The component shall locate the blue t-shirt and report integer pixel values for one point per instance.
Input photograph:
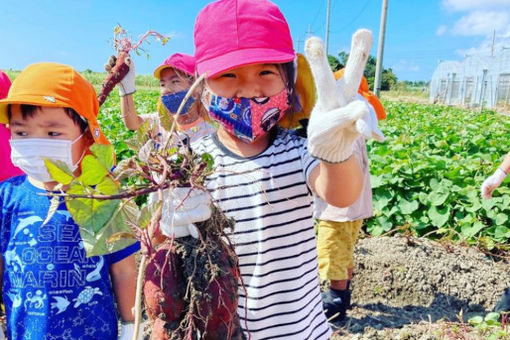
(51, 290)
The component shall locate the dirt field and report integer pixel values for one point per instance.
(411, 289)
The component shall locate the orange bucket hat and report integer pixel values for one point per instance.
(55, 85)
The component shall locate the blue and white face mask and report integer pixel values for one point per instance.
(172, 102)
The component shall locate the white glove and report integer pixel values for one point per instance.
(127, 331)
(337, 119)
(127, 84)
(491, 183)
(372, 122)
(181, 208)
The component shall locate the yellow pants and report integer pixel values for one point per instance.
(335, 248)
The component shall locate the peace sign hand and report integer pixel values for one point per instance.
(337, 119)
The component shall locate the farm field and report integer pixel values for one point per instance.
(426, 178)
(425, 254)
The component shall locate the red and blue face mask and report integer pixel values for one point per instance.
(248, 118)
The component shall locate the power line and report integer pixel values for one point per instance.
(353, 20)
(319, 10)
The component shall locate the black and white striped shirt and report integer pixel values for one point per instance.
(270, 200)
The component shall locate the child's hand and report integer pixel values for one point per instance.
(127, 84)
(491, 183)
(181, 208)
(337, 119)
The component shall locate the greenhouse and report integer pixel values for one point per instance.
(477, 81)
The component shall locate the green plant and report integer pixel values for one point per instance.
(493, 326)
(427, 174)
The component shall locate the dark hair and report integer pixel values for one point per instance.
(288, 71)
(28, 111)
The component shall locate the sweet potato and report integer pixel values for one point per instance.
(219, 304)
(115, 75)
(164, 289)
(191, 286)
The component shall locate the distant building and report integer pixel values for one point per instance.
(473, 82)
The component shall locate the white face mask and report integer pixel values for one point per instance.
(29, 154)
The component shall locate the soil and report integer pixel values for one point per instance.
(414, 288)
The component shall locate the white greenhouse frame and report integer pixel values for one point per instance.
(476, 81)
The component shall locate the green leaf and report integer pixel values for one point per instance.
(92, 171)
(438, 217)
(377, 230)
(89, 214)
(502, 232)
(407, 207)
(438, 196)
(209, 160)
(59, 171)
(381, 198)
(476, 320)
(492, 316)
(434, 183)
(424, 198)
(476, 205)
(470, 230)
(385, 224)
(147, 213)
(376, 181)
(105, 154)
(501, 218)
(107, 187)
(103, 241)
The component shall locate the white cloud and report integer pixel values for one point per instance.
(482, 23)
(441, 30)
(485, 48)
(467, 5)
(405, 66)
(480, 18)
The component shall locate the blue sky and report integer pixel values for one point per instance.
(418, 34)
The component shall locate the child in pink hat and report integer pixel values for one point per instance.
(7, 170)
(176, 75)
(266, 175)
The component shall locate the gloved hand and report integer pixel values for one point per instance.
(181, 208)
(491, 183)
(337, 119)
(372, 122)
(127, 331)
(127, 84)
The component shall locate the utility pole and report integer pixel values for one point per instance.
(298, 43)
(493, 39)
(327, 26)
(380, 49)
(309, 33)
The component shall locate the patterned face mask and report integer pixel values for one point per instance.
(248, 118)
(173, 101)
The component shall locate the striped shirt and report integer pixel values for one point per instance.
(274, 238)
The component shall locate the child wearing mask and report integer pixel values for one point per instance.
(176, 75)
(50, 288)
(265, 175)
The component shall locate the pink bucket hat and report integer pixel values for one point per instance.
(182, 62)
(234, 33)
(5, 84)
